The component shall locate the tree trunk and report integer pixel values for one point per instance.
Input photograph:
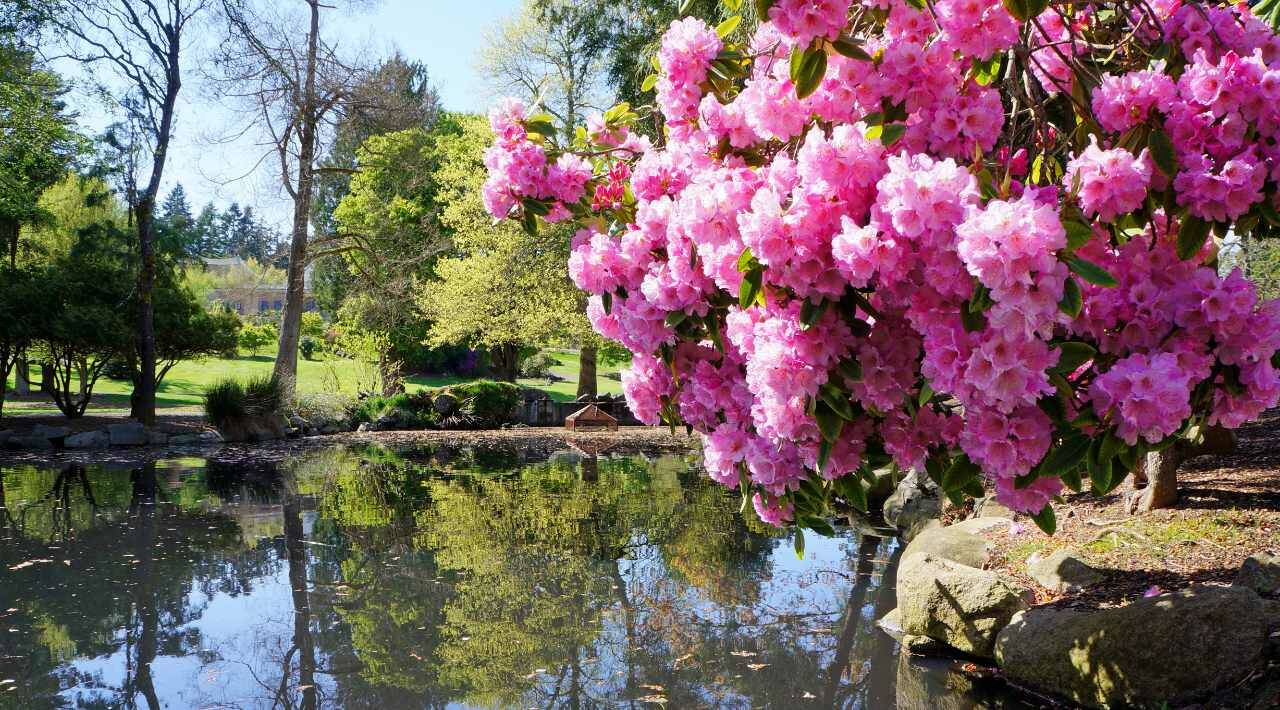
(504, 361)
(1155, 483)
(22, 376)
(47, 378)
(286, 367)
(587, 372)
(143, 399)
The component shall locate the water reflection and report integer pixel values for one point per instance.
(443, 577)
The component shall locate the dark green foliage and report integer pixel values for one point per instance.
(308, 347)
(483, 404)
(224, 402)
(20, 298)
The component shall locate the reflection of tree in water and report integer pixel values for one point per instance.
(97, 564)
(579, 581)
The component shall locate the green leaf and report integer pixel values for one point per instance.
(961, 471)
(820, 526)
(987, 71)
(750, 289)
(726, 28)
(1091, 272)
(606, 300)
(917, 4)
(747, 260)
(1071, 479)
(1067, 456)
(811, 312)
(1161, 148)
(808, 66)
(830, 424)
(1099, 469)
(851, 48)
(675, 318)
(1073, 355)
(1078, 234)
(529, 221)
(1035, 7)
(799, 543)
(837, 399)
(537, 207)
(1018, 8)
(685, 7)
(1046, 520)
(545, 128)
(1072, 302)
(824, 455)
(649, 82)
(1191, 236)
(855, 494)
(892, 133)
(926, 394)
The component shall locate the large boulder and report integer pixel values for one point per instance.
(913, 505)
(88, 440)
(445, 404)
(128, 434)
(960, 606)
(1261, 573)
(961, 543)
(52, 433)
(1063, 571)
(1161, 650)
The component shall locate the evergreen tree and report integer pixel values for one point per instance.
(175, 227)
(205, 232)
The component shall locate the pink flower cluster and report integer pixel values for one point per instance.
(778, 261)
(1111, 182)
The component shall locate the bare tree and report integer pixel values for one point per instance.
(142, 42)
(274, 62)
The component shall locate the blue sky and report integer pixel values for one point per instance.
(446, 35)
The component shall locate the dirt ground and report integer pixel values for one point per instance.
(1228, 509)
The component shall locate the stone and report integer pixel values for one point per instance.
(210, 437)
(365, 426)
(961, 606)
(1063, 571)
(922, 645)
(331, 428)
(184, 440)
(1160, 651)
(88, 440)
(920, 686)
(1261, 573)
(891, 623)
(293, 432)
(29, 442)
(157, 438)
(989, 507)
(959, 543)
(52, 433)
(128, 434)
(914, 503)
(297, 422)
(445, 404)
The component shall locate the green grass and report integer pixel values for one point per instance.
(186, 382)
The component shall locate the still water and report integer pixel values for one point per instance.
(444, 577)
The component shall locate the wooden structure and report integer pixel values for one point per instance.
(590, 418)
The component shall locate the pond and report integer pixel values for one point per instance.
(440, 577)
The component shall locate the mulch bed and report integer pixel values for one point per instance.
(1228, 509)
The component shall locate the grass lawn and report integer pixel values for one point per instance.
(184, 386)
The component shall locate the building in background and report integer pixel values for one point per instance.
(249, 288)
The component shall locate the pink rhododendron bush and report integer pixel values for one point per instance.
(968, 237)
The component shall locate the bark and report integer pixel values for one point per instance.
(145, 530)
(504, 361)
(47, 378)
(587, 372)
(1155, 483)
(22, 376)
(286, 367)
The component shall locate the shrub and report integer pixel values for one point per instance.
(224, 402)
(255, 337)
(486, 403)
(262, 395)
(538, 365)
(308, 347)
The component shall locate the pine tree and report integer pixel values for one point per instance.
(175, 227)
(206, 234)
